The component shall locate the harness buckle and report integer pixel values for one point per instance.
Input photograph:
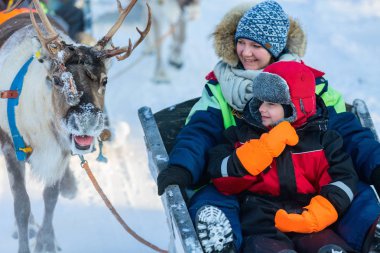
(9, 94)
(26, 150)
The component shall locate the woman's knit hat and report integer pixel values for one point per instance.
(267, 24)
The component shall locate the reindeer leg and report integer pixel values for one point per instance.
(160, 75)
(45, 237)
(179, 36)
(68, 185)
(32, 228)
(21, 202)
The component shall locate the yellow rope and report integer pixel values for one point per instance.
(10, 3)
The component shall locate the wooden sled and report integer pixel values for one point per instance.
(160, 130)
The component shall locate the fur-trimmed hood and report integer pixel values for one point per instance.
(224, 35)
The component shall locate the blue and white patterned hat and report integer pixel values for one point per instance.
(267, 24)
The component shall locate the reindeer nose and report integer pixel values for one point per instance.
(85, 119)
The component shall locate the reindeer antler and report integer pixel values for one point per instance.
(50, 42)
(126, 51)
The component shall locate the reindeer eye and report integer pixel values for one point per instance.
(104, 81)
(57, 81)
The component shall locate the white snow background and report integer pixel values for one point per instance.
(343, 41)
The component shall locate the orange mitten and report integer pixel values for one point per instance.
(255, 155)
(318, 215)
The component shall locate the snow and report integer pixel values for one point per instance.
(343, 40)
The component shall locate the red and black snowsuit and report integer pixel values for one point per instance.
(314, 166)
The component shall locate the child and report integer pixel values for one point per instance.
(293, 180)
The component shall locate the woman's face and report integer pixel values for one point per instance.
(252, 55)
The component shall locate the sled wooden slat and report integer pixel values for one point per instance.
(183, 237)
(359, 108)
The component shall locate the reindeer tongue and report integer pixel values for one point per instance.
(83, 140)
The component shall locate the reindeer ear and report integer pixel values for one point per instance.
(108, 45)
(40, 52)
(107, 63)
(36, 44)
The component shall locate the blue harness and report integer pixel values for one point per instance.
(18, 142)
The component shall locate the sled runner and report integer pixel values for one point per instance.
(160, 130)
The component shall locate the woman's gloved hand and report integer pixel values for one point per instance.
(174, 175)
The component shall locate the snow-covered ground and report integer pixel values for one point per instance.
(343, 38)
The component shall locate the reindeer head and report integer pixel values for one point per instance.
(78, 77)
(78, 89)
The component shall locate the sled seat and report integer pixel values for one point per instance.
(160, 130)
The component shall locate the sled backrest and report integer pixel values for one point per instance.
(171, 120)
(359, 108)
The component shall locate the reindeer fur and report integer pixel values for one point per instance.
(34, 115)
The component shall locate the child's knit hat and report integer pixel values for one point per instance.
(287, 83)
(267, 24)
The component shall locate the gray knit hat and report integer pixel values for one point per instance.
(267, 24)
(270, 88)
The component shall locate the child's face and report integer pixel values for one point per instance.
(252, 55)
(271, 113)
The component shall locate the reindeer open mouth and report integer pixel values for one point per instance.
(82, 142)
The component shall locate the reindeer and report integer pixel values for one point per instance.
(176, 13)
(60, 106)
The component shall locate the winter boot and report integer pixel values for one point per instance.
(331, 248)
(372, 241)
(214, 230)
